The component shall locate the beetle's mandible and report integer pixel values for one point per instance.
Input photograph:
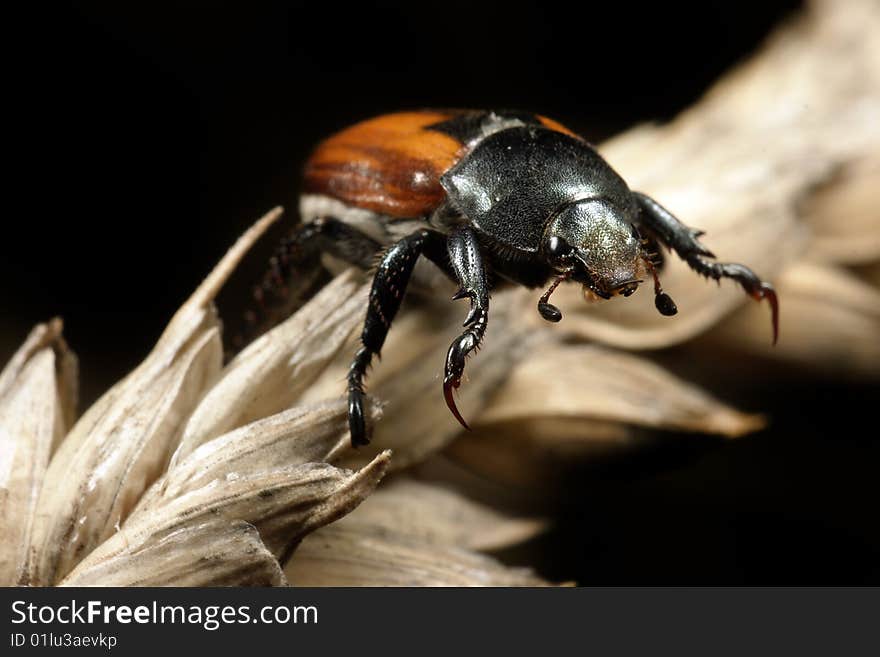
(489, 197)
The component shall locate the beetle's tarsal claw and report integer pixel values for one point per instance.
(549, 312)
(455, 359)
(450, 384)
(768, 292)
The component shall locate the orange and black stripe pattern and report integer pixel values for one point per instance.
(392, 164)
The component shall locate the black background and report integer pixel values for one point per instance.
(144, 139)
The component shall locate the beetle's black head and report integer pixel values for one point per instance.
(592, 241)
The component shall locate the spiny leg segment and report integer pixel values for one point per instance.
(467, 264)
(684, 241)
(389, 284)
(459, 256)
(295, 270)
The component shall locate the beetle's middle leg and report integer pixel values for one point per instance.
(684, 241)
(295, 269)
(386, 295)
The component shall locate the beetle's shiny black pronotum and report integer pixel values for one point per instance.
(488, 197)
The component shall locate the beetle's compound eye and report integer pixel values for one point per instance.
(558, 248)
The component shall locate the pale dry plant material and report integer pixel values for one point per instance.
(192, 472)
(121, 443)
(413, 533)
(38, 390)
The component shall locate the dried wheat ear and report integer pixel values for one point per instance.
(189, 472)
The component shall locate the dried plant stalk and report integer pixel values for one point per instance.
(843, 215)
(590, 402)
(37, 400)
(124, 440)
(440, 515)
(337, 556)
(300, 435)
(284, 505)
(216, 552)
(273, 371)
(592, 382)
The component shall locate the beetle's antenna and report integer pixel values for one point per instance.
(548, 311)
(663, 301)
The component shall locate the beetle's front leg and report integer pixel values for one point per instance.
(684, 241)
(386, 294)
(467, 264)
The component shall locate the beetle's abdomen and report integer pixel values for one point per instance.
(390, 164)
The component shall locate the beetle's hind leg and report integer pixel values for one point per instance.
(295, 270)
(389, 284)
(684, 241)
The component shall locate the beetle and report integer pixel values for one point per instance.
(489, 197)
